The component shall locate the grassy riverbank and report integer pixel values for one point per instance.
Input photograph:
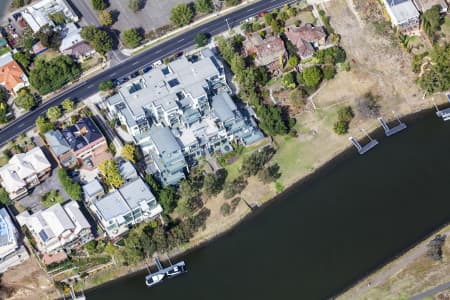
(406, 276)
(379, 66)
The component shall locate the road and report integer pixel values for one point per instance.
(90, 86)
(432, 292)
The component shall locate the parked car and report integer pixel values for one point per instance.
(134, 74)
(146, 69)
(121, 80)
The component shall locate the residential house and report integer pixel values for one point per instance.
(38, 14)
(23, 172)
(168, 112)
(306, 39)
(57, 227)
(403, 14)
(81, 141)
(267, 51)
(424, 5)
(93, 191)
(73, 44)
(131, 204)
(12, 77)
(12, 252)
(60, 149)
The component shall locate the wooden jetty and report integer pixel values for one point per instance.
(391, 131)
(363, 149)
(445, 113)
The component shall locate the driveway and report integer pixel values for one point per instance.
(31, 201)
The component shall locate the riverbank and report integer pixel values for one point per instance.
(378, 66)
(407, 275)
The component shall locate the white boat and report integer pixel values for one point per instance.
(152, 279)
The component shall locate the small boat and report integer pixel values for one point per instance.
(171, 271)
(177, 269)
(153, 279)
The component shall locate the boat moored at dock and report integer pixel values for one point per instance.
(169, 272)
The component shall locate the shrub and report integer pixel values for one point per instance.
(182, 14)
(131, 38)
(225, 209)
(71, 187)
(341, 127)
(106, 85)
(312, 76)
(328, 71)
(99, 4)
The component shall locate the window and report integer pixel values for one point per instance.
(173, 82)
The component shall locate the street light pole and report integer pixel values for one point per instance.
(228, 24)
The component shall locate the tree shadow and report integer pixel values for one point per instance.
(115, 15)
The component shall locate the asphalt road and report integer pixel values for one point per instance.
(89, 87)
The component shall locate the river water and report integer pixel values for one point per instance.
(322, 235)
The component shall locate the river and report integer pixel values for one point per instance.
(323, 234)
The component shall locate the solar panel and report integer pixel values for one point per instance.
(43, 235)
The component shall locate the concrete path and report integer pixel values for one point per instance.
(432, 292)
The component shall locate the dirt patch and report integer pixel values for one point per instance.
(27, 281)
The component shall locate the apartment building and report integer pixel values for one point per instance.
(169, 113)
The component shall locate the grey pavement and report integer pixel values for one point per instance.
(31, 201)
(155, 13)
(432, 292)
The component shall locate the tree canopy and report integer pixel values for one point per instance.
(43, 125)
(110, 172)
(129, 152)
(204, 6)
(312, 76)
(25, 99)
(135, 5)
(72, 188)
(53, 113)
(131, 37)
(99, 4)
(49, 37)
(48, 76)
(106, 85)
(436, 77)
(201, 39)
(105, 17)
(100, 39)
(182, 14)
(431, 21)
(68, 105)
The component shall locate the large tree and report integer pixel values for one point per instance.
(131, 37)
(48, 76)
(204, 6)
(49, 37)
(129, 152)
(135, 5)
(105, 17)
(436, 77)
(100, 39)
(53, 113)
(312, 76)
(99, 4)
(43, 125)
(110, 172)
(182, 14)
(68, 105)
(25, 99)
(431, 20)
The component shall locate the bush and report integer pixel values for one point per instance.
(99, 4)
(269, 174)
(110, 172)
(234, 187)
(345, 113)
(204, 6)
(341, 127)
(72, 188)
(25, 99)
(135, 5)
(312, 76)
(289, 80)
(434, 247)
(49, 37)
(201, 39)
(106, 85)
(53, 113)
(253, 163)
(225, 209)
(332, 55)
(105, 17)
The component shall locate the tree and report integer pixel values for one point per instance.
(154, 185)
(234, 187)
(129, 152)
(131, 38)
(213, 183)
(255, 162)
(135, 5)
(182, 14)
(328, 71)
(105, 17)
(25, 99)
(232, 2)
(43, 125)
(436, 77)
(67, 105)
(268, 18)
(58, 18)
(201, 39)
(269, 174)
(19, 3)
(431, 21)
(293, 61)
(168, 199)
(271, 120)
(289, 80)
(312, 76)
(48, 76)
(332, 55)
(106, 85)
(204, 6)
(72, 188)
(110, 172)
(99, 4)
(53, 113)
(297, 98)
(98, 38)
(49, 37)
(340, 127)
(24, 58)
(225, 209)
(3, 110)
(345, 113)
(4, 197)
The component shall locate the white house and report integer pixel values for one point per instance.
(57, 227)
(12, 251)
(403, 14)
(131, 204)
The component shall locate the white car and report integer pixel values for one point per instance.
(157, 63)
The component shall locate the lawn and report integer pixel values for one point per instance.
(4, 51)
